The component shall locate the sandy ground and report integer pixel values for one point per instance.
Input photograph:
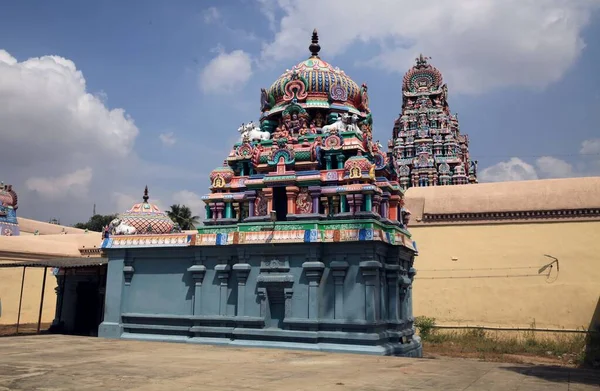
(56, 362)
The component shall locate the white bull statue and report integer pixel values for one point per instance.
(334, 128)
(253, 132)
(117, 227)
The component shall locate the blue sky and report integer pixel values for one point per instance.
(168, 83)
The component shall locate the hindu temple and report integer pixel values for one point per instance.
(304, 244)
(9, 225)
(428, 148)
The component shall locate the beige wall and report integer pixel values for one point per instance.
(10, 288)
(566, 300)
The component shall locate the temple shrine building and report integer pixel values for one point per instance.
(304, 244)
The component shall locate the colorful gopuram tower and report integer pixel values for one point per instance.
(304, 244)
(428, 148)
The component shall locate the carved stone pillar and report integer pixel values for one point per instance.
(370, 273)
(268, 192)
(384, 206)
(343, 203)
(198, 272)
(223, 275)
(291, 193)
(358, 201)
(393, 212)
(219, 206)
(315, 192)
(228, 210)
(208, 211)
(335, 204)
(242, 270)
(251, 197)
(350, 201)
(338, 270)
(314, 272)
(376, 203)
(328, 162)
(325, 201)
(340, 161)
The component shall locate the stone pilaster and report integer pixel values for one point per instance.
(128, 271)
(197, 271)
(242, 270)
(314, 272)
(370, 274)
(223, 276)
(392, 275)
(261, 292)
(339, 270)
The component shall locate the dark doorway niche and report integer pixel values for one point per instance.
(280, 203)
(276, 306)
(87, 309)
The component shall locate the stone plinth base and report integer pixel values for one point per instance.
(376, 339)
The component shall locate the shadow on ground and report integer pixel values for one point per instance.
(559, 374)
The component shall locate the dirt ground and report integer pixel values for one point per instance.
(56, 362)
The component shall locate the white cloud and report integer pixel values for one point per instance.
(516, 169)
(46, 113)
(74, 184)
(479, 45)
(63, 148)
(590, 147)
(513, 170)
(550, 167)
(211, 14)
(168, 139)
(191, 200)
(226, 73)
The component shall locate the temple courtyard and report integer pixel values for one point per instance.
(56, 362)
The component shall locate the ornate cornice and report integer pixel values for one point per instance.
(512, 216)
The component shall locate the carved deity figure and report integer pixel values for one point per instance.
(319, 120)
(260, 205)
(304, 202)
(281, 132)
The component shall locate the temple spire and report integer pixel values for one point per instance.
(314, 47)
(146, 197)
(422, 60)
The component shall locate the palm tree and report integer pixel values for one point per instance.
(182, 215)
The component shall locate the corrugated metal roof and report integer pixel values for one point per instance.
(63, 263)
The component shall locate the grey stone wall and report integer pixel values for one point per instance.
(352, 297)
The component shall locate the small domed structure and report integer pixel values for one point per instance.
(147, 218)
(221, 176)
(357, 166)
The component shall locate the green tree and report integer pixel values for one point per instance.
(182, 215)
(96, 223)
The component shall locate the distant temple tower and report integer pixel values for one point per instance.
(428, 148)
(9, 225)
